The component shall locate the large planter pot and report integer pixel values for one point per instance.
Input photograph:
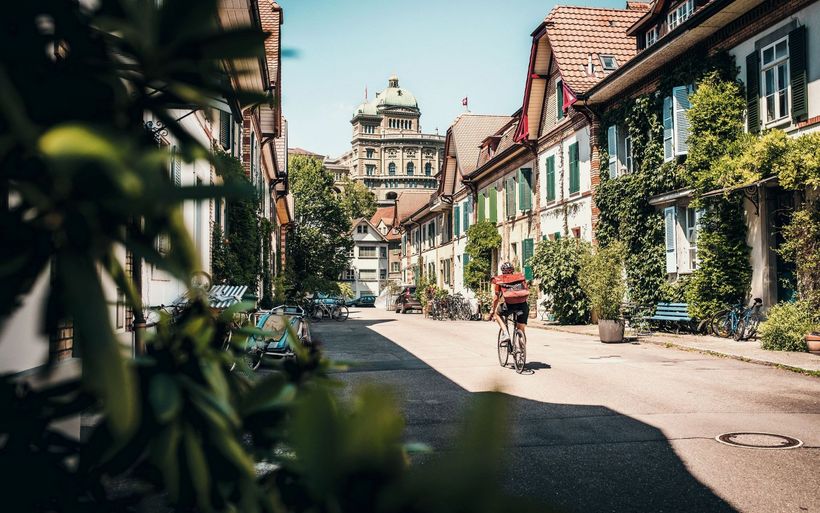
(611, 331)
(813, 341)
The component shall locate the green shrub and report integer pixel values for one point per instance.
(482, 239)
(557, 266)
(602, 280)
(787, 326)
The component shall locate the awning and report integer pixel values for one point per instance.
(770, 181)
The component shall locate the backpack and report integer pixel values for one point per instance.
(513, 288)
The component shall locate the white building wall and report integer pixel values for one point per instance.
(579, 207)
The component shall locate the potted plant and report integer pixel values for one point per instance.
(602, 280)
(813, 341)
(790, 327)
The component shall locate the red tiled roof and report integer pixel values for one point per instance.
(576, 32)
(637, 6)
(506, 136)
(300, 151)
(383, 214)
(410, 201)
(463, 146)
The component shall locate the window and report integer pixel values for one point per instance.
(468, 210)
(369, 153)
(431, 270)
(692, 227)
(361, 229)
(394, 267)
(367, 274)
(651, 36)
(574, 169)
(411, 168)
(350, 252)
(676, 122)
(559, 99)
(367, 252)
(619, 147)
(370, 169)
(428, 169)
(382, 274)
(774, 69)
(680, 13)
(349, 275)
(391, 169)
(383, 252)
(369, 129)
(550, 165)
(609, 62)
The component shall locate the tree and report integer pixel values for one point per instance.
(357, 200)
(482, 239)
(320, 240)
(557, 264)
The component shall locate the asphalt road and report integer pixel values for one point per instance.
(600, 427)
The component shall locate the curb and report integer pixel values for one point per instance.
(681, 347)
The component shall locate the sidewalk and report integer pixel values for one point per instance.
(746, 351)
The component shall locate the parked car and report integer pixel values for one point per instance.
(407, 300)
(365, 301)
(328, 300)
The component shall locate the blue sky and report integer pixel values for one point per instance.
(441, 51)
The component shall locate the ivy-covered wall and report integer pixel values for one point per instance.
(623, 202)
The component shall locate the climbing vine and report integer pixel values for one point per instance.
(236, 257)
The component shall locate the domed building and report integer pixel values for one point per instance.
(389, 152)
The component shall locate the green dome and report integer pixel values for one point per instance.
(365, 109)
(395, 96)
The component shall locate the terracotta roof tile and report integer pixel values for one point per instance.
(577, 34)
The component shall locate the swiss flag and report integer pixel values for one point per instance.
(569, 96)
(464, 101)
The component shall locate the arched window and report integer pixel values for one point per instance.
(391, 169)
(411, 168)
(428, 169)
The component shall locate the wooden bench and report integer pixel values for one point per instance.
(674, 314)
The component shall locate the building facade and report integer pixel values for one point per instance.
(389, 151)
(367, 273)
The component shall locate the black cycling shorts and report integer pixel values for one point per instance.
(520, 312)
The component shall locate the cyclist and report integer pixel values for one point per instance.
(510, 294)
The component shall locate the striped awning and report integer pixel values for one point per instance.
(225, 296)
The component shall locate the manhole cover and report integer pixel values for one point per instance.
(759, 440)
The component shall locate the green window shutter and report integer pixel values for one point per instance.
(557, 235)
(509, 192)
(525, 189)
(551, 178)
(559, 99)
(797, 73)
(493, 204)
(225, 130)
(752, 93)
(574, 171)
(466, 215)
(457, 220)
(481, 197)
(526, 254)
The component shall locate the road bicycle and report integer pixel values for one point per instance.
(515, 346)
(737, 322)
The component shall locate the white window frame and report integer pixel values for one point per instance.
(363, 254)
(605, 58)
(651, 37)
(691, 229)
(365, 274)
(680, 13)
(629, 160)
(773, 66)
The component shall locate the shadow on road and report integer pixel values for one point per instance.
(575, 457)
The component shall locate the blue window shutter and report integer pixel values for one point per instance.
(457, 220)
(668, 132)
(680, 97)
(612, 148)
(669, 221)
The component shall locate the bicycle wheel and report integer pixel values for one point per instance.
(340, 313)
(751, 326)
(503, 349)
(721, 324)
(316, 314)
(739, 330)
(520, 354)
(253, 359)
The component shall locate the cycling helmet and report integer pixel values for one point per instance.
(506, 268)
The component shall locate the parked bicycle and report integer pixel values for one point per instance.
(318, 309)
(451, 307)
(737, 322)
(515, 346)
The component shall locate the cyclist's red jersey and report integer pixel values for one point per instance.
(512, 287)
